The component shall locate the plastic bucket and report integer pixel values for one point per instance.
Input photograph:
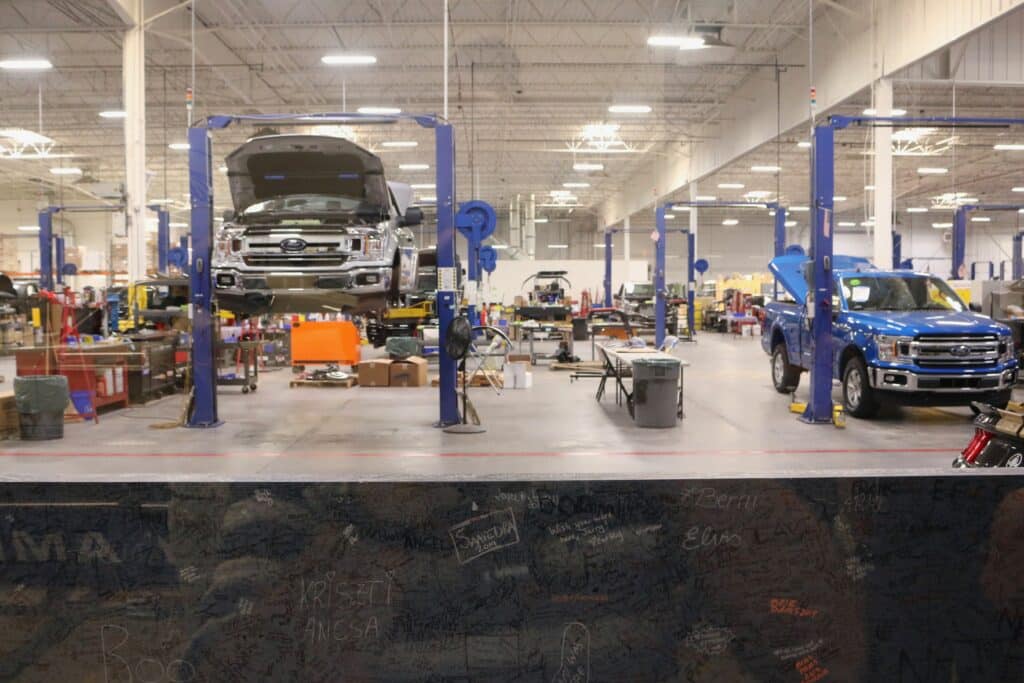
(41, 426)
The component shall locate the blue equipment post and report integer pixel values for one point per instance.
(960, 243)
(1018, 255)
(46, 248)
(780, 230)
(447, 303)
(659, 278)
(476, 221)
(608, 268)
(58, 243)
(819, 407)
(163, 238)
(184, 242)
(691, 282)
(204, 369)
(897, 250)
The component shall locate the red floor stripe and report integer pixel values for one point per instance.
(483, 454)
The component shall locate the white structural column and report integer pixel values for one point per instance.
(883, 178)
(530, 227)
(625, 239)
(134, 93)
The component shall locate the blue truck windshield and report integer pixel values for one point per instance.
(866, 292)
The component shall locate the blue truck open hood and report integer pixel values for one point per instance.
(791, 271)
(910, 323)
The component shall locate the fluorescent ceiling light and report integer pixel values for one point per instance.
(803, 144)
(24, 136)
(599, 245)
(223, 169)
(26, 64)
(427, 200)
(414, 167)
(942, 225)
(423, 186)
(500, 246)
(178, 146)
(893, 112)
(1004, 147)
(669, 216)
(177, 224)
(706, 198)
(917, 209)
(629, 109)
(839, 198)
(28, 228)
(558, 246)
(791, 224)
(846, 224)
(689, 42)
(731, 186)
(867, 224)
(678, 207)
(540, 220)
(758, 194)
(113, 114)
(400, 143)
(932, 170)
(386, 111)
(348, 60)
(587, 166)
(600, 130)
(766, 169)
(560, 193)
(576, 185)
(869, 188)
(730, 221)
(66, 170)
(1018, 189)
(161, 202)
(981, 219)
(799, 209)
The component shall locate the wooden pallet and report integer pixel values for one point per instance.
(337, 383)
(478, 380)
(582, 365)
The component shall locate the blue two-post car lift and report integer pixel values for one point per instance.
(49, 243)
(819, 305)
(963, 211)
(691, 278)
(203, 412)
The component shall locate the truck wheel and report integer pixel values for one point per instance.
(785, 377)
(858, 396)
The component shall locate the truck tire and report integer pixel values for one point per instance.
(785, 377)
(858, 396)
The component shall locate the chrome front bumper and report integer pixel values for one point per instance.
(904, 380)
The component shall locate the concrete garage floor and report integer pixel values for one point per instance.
(736, 425)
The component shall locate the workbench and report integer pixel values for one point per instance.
(618, 365)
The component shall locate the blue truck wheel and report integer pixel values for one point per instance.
(858, 396)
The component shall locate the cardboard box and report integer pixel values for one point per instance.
(519, 358)
(374, 373)
(9, 421)
(409, 372)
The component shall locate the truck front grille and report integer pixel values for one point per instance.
(282, 260)
(957, 351)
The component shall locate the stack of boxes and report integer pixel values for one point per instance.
(384, 372)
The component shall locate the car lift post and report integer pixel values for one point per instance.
(46, 248)
(960, 237)
(200, 161)
(58, 244)
(897, 250)
(163, 236)
(691, 284)
(608, 267)
(1018, 255)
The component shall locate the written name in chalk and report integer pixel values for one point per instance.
(484, 534)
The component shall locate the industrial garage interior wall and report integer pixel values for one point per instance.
(506, 282)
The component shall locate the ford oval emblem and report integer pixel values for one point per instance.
(293, 244)
(960, 351)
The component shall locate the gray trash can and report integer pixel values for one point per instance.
(41, 400)
(655, 392)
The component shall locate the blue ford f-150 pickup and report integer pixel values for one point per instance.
(897, 336)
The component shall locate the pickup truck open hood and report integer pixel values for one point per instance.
(910, 323)
(792, 271)
(282, 165)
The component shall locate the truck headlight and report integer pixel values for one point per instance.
(228, 246)
(1006, 350)
(373, 246)
(891, 348)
